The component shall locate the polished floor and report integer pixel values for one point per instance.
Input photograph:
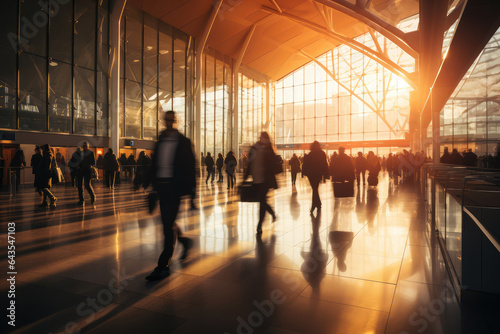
(366, 264)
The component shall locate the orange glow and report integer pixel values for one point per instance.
(99, 151)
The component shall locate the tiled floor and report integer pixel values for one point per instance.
(365, 265)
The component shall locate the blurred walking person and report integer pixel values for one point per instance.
(315, 168)
(231, 164)
(84, 174)
(209, 162)
(373, 166)
(174, 175)
(74, 163)
(294, 167)
(360, 164)
(110, 166)
(36, 164)
(220, 164)
(48, 164)
(18, 162)
(342, 172)
(263, 166)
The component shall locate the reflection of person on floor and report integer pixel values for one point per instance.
(174, 175)
(372, 204)
(294, 206)
(341, 234)
(316, 259)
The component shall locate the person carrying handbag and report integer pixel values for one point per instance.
(263, 165)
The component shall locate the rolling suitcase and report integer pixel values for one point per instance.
(343, 189)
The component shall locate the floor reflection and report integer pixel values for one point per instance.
(362, 265)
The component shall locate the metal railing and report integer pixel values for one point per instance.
(461, 202)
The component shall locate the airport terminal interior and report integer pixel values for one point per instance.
(401, 96)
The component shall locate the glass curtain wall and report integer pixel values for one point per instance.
(216, 93)
(57, 54)
(252, 104)
(157, 76)
(356, 100)
(471, 117)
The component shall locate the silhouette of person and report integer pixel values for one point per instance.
(263, 166)
(36, 164)
(470, 158)
(342, 170)
(110, 166)
(84, 174)
(220, 163)
(315, 168)
(456, 158)
(231, 163)
(18, 162)
(209, 162)
(360, 167)
(294, 167)
(446, 157)
(174, 175)
(48, 163)
(373, 165)
(73, 163)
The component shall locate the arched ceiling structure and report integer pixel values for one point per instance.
(279, 32)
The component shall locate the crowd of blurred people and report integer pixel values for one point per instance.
(470, 159)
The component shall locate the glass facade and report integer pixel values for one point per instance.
(345, 96)
(158, 65)
(216, 104)
(57, 54)
(252, 118)
(471, 117)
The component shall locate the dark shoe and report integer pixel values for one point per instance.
(53, 203)
(43, 205)
(158, 274)
(80, 203)
(187, 244)
(275, 218)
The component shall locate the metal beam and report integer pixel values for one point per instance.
(375, 40)
(236, 86)
(379, 58)
(349, 90)
(275, 4)
(244, 47)
(114, 69)
(321, 10)
(361, 14)
(206, 32)
(478, 23)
